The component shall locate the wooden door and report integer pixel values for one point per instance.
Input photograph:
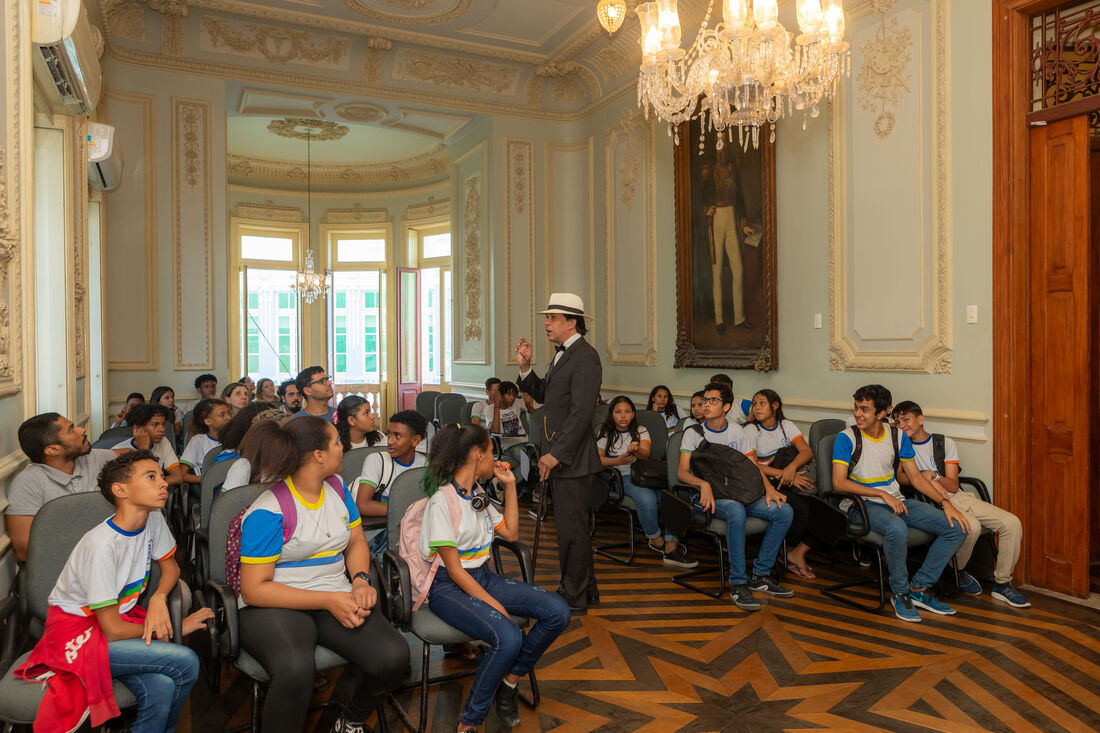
(1058, 514)
(408, 337)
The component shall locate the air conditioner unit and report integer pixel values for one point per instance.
(65, 61)
(104, 158)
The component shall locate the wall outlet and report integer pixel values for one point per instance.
(971, 314)
(817, 320)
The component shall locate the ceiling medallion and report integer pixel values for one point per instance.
(302, 128)
(361, 112)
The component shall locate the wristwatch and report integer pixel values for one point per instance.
(364, 576)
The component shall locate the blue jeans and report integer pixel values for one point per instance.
(510, 650)
(378, 543)
(160, 675)
(895, 529)
(649, 503)
(735, 513)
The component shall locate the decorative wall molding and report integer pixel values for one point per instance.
(928, 349)
(520, 157)
(457, 72)
(192, 238)
(469, 235)
(125, 19)
(432, 163)
(471, 253)
(430, 209)
(79, 286)
(431, 187)
(456, 9)
(268, 211)
(274, 44)
(15, 80)
(372, 58)
(357, 215)
(143, 178)
(631, 239)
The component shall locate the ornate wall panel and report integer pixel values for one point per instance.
(14, 108)
(192, 240)
(469, 234)
(78, 287)
(570, 257)
(131, 328)
(357, 215)
(519, 287)
(630, 308)
(890, 284)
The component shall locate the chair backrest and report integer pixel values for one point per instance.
(227, 507)
(404, 490)
(824, 463)
(672, 453)
(111, 437)
(56, 529)
(187, 426)
(599, 415)
(210, 457)
(466, 415)
(448, 408)
(821, 429)
(351, 467)
(525, 420)
(425, 403)
(654, 422)
(211, 478)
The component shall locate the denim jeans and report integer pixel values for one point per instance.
(160, 675)
(648, 502)
(735, 513)
(510, 650)
(377, 541)
(895, 529)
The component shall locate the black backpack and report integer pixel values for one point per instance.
(730, 473)
(857, 449)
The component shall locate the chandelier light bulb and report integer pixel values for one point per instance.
(651, 34)
(810, 16)
(736, 14)
(766, 14)
(668, 21)
(611, 14)
(834, 21)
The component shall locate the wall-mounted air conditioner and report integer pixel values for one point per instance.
(104, 158)
(65, 61)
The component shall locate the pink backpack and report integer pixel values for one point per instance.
(422, 573)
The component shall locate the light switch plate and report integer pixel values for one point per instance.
(971, 314)
(817, 320)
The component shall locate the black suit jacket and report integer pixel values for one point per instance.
(568, 394)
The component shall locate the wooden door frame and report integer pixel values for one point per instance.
(1012, 398)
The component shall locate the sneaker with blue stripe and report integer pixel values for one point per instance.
(968, 584)
(1007, 592)
(903, 608)
(924, 599)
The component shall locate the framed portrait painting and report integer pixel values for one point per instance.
(725, 252)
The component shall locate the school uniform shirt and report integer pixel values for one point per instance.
(671, 421)
(162, 451)
(740, 411)
(313, 558)
(926, 459)
(196, 450)
(238, 475)
(331, 417)
(768, 442)
(620, 441)
(733, 435)
(374, 468)
(511, 425)
(38, 483)
(110, 565)
(876, 463)
(475, 530)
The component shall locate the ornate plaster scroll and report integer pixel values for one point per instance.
(459, 72)
(882, 77)
(520, 154)
(471, 218)
(192, 240)
(275, 44)
(457, 9)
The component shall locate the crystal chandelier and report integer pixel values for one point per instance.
(611, 14)
(743, 72)
(308, 284)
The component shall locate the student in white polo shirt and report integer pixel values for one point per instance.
(485, 406)
(207, 420)
(371, 492)
(63, 462)
(149, 422)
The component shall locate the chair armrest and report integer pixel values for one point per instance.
(11, 616)
(523, 556)
(692, 494)
(225, 632)
(398, 584)
(498, 447)
(615, 484)
(972, 483)
(836, 496)
(176, 610)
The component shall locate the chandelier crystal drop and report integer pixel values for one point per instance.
(743, 72)
(611, 13)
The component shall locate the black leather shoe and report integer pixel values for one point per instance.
(507, 705)
(592, 595)
(577, 610)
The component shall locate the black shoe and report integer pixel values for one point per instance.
(746, 324)
(720, 327)
(765, 584)
(506, 703)
(680, 558)
(592, 595)
(578, 610)
(742, 598)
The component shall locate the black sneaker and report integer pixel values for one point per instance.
(507, 705)
(742, 598)
(679, 557)
(765, 584)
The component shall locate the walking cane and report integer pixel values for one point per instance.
(540, 512)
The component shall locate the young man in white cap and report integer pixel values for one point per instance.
(568, 394)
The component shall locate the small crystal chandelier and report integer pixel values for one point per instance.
(308, 284)
(611, 13)
(742, 72)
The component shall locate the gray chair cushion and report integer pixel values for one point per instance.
(431, 629)
(19, 699)
(323, 659)
(753, 526)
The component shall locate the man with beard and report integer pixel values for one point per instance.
(316, 387)
(62, 463)
(290, 399)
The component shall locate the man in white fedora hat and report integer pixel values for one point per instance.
(568, 394)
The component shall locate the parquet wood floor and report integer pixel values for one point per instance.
(655, 657)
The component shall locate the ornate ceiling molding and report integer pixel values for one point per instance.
(274, 43)
(458, 72)
(361, 112)
(432, 163)
(269, 211)
(357, 215)
(457, 10)
(430, 209)
(303, 128)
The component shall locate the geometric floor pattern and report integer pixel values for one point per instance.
(655, 657)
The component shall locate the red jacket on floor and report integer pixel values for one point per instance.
(71, 659)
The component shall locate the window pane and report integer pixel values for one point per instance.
(355, 353)
(342, 301)
(271, 344)
(267, 248)
(437, 245)
(448, 336)
(360, 250)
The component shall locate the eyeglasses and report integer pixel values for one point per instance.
(320, 380)
(712, 400)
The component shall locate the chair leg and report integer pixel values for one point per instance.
(604, 550)
(832, 590)
(254, 720)
(423, 722)
(536, 698)
(681, 578)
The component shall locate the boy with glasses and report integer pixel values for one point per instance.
(316, 388)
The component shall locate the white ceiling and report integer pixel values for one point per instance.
(364, 143)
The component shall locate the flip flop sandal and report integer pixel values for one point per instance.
(802, 572)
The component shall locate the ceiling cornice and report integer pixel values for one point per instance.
(431, 164)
